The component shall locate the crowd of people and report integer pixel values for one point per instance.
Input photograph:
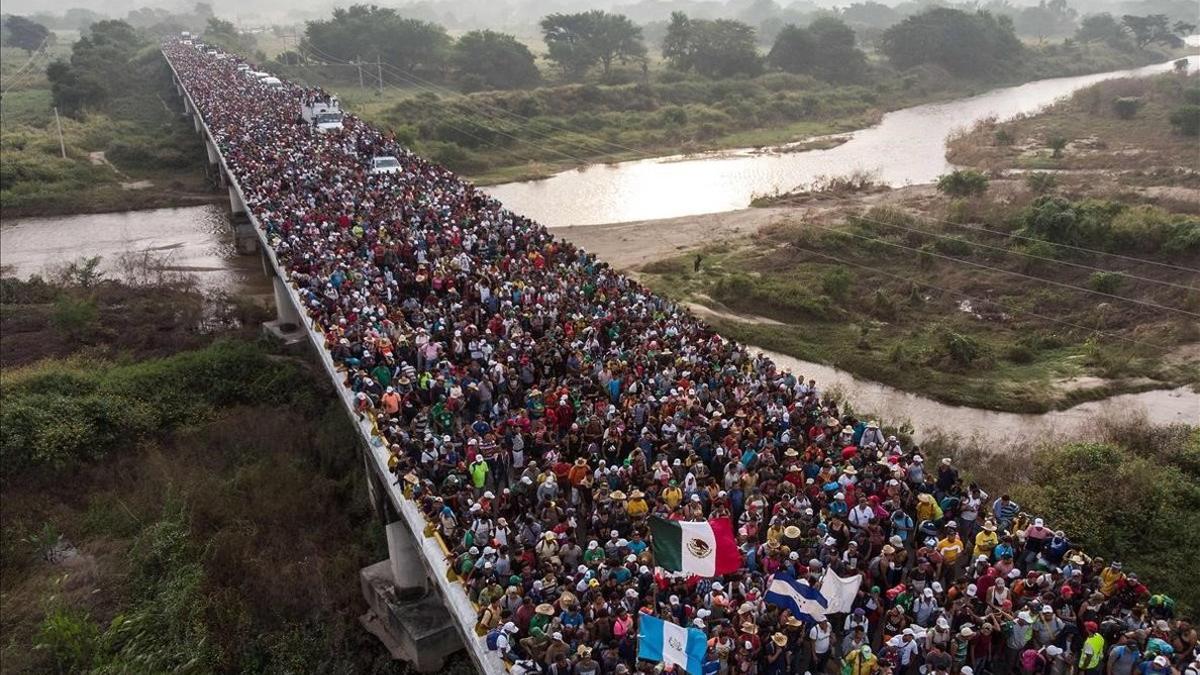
(540, 407)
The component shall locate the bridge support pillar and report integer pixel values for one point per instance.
(212, 152)
(288, 326)
(187, 106)
(196, 121)
(408, 618)
(236, 205)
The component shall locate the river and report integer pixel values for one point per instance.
(907, 147)
(193, 239)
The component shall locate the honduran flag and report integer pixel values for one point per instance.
(666, 642)
(705, 548)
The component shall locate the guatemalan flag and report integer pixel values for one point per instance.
(664, 641)
(803, 601)
(705, 548)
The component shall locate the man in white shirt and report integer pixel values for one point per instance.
(907, 648)
(820, 637)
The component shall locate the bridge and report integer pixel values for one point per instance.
(416, 610)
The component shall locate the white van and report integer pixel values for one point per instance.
(385, 164)
(272, 82)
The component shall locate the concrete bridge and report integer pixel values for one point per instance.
(417, 611)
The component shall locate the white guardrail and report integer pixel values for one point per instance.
(462, 610)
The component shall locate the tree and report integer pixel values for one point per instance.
(1104, 28)
(1054, 17)
(1156, 28)
(965, 44)
(794, 51)
(577, 42)
(371, 32)
(677, 44)
(101, 63)
(838, 58)
(724, 48)
(497, 60)
(25, 34)
(714, 48)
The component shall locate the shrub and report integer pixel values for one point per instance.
(1003, 137)
(1041, 182)
(952, 245)
(836, 283)
(1127, 107)
(1020, 354)
(1057, 144)
(1105, 282)
(73, 316)
(963, 183)
(1186, 120)
(962, 349)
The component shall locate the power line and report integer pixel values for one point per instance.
(33, 57)
(1025, 254)
(1145, 303)
(964, 295)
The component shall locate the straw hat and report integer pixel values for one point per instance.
(750, 628)
(545, 608)
(779, 639)
(850, 470)
(636, 494)
(989, 525)
(794, 622)
(618, 495)
(580, 462)
(791, 532)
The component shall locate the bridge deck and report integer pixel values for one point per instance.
(433, 554)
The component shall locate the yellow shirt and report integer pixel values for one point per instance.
(950, 548)
(672, 496)
(1108, 580)
(636, 507)
(984, 543)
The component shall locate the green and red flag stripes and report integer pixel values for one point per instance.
(705, 548)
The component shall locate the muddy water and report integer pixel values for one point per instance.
(1164, 406)
(908, 146)
(196, 240)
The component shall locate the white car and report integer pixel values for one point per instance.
(385, 164)
(272, 82)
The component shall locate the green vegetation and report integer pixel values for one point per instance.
(963, 183)
(1124, 481)
(125, 148)
(190, 506)
(958, 313)
(962, 43)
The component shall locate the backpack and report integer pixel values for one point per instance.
(492, 637)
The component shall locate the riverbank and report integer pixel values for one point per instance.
(129, 150)
(894, 287)
(510, 136)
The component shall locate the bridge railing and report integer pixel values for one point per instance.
(433, 551)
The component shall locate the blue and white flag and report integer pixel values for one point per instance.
(803, 601)
(664, 641)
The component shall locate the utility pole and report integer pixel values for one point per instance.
(62, 146)
(379, 69)
(358, 62)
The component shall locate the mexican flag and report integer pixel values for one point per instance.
(705, 548)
